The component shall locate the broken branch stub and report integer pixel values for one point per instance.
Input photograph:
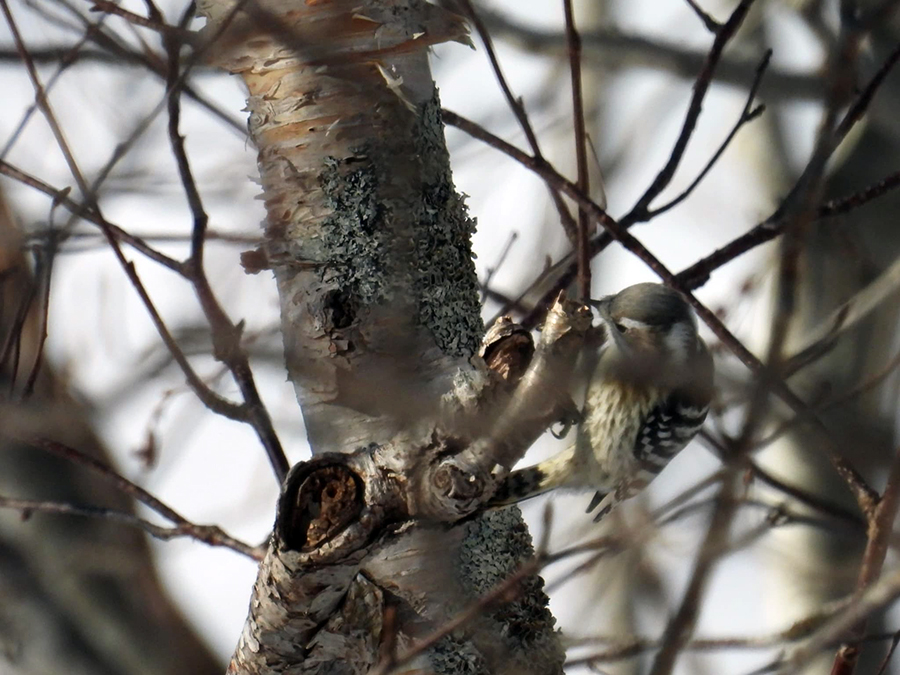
(337, 500)
(507, 349)
(462, 481)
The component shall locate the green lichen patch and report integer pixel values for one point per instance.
(444, 271)
(355, 236)
(371, 240)
(494, 547)
(457, 657)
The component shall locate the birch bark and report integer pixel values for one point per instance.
(370, 246)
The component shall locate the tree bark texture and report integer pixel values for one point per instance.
(375, 546)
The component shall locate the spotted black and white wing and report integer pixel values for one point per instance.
(666, 430)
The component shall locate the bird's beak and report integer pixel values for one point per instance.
(602, 306)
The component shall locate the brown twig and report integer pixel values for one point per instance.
(640, 212)
(681, 626)
(711, 24)
(621, 649)
(208, 534)
(861, 605)
(502, 592)
(154, 22)
(43, 272)
(486, 291)
(748, 114)
(582, 247)
(518, 109)
(829, 404)
(82, 211)
(807, 498)
(887, 657)
(773, 226)
(212, 535)
(881, 526)
(226, 335)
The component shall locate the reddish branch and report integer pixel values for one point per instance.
(518, 109)
(582, 245)
(226, 335)
(182, 527)
(880, 530)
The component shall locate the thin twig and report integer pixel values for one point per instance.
(876, 597)
(887, 657)
(208, 397)
(681, 626)
(621, 649)
(43, 272)
(518, 109)
(226, 335)
(502, 592)
(82, 211)
(881, 527)
(748, 114)
(491, 271)
(711, 24)
(773, 226)
(154, 23)
(208, 534)
(640, 211)
(582, 249)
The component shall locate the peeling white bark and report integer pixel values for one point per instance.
(375, 546)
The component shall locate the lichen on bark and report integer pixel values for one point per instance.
(446, 284)
(365, 247)
(494, 548)
(355, 235)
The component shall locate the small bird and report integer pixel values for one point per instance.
(647, 397)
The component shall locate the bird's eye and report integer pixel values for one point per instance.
(621, 328)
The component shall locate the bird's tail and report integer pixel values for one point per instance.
(535, 480)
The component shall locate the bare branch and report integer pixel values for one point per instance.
(881, 526)
(208, 534)
(518, 109)
(748, 114)
(640, 212)
(226, 335)
(582, 245)
(711, 24)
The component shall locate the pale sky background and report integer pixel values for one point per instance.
(213, 470)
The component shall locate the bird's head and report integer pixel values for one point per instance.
(651, 324)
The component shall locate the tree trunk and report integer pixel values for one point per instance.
(370, 246)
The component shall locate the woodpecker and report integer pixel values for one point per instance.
(647, 397)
